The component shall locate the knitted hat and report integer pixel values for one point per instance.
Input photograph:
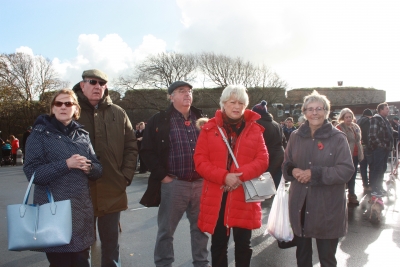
(260, 108)
(367, 112)
(177, 84)
(95, 74)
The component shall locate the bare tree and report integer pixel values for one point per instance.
(223, 70)
(159, 71)
(23, 79)
(30, 76)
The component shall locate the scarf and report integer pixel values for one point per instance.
(233, 128)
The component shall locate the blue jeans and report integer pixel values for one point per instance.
(364, 164)
(378, 168)
(352, 182)
(107, 226)
(178, 197)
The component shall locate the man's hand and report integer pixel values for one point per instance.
(167, 180)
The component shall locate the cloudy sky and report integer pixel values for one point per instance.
(309, 43)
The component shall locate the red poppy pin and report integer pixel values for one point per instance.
(320, 145)
(187, 123)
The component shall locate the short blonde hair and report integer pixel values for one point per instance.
(316, 97)
(72, 94)
(343, 113)
(239, 91)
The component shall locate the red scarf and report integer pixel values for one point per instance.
(233, 128)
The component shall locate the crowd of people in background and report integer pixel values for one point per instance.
(192, 171)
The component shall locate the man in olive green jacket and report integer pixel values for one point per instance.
(114, 142)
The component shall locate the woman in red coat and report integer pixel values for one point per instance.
(14, 147)
(223, 205)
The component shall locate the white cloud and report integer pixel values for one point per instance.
(25, 50)
(110, 54)
(309, 43)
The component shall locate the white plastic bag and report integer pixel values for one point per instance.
(278, 221)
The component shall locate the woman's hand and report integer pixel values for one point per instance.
(302, 176)
(79, 162)
(232, 181)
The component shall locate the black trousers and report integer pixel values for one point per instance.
(220, 239)
(326, 251)
(70, 259)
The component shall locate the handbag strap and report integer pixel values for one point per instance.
(229, 147)
(28, 190)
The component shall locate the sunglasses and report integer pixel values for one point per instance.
(67, 104)
(94, 82)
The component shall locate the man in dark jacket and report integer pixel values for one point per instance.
(167, 149)
(364, 123)
(139, 136)
(381, 143)
(114, 142)
(274, 140)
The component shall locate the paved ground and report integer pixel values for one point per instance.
(364, 245)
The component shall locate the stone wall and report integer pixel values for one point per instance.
(141, 104)
(340, 96)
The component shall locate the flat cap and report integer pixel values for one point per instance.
(396, 118)
(94, 73)
(177, 84)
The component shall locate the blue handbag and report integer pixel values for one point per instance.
(33, 226)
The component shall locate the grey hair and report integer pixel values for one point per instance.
(343, 113)
(239, 91)
(301, 119)
(316, 97)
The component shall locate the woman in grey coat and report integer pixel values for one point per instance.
(318, 163)
(60, 154)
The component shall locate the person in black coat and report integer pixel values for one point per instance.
(139, 136)
(364, 123)
(274, 140)
(62, 158)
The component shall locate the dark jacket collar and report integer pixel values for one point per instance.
(267, 117)
(325, 131)
(196, 111)
(84, 101)
(53, 125)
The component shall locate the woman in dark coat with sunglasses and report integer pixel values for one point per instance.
(59, 153)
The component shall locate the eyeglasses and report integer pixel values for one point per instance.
(67, 104)
(183, 91)
(94, 82)
(317, 109)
